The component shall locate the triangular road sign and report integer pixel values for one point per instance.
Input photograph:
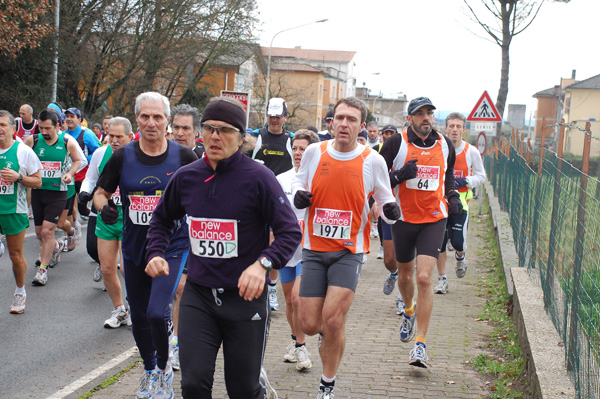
(485, 110)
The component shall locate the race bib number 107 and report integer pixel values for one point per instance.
(332, 223)
(141, 207)
(213, 238)
(51, 170)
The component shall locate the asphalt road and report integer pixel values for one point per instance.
(60, 337)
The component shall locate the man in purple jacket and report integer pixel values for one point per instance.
(230, 201)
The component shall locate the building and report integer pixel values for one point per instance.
(386, 111)
(581, 105)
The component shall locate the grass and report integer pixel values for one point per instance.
(109, 381)
(503, 364)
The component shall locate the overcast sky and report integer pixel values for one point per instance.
(428, 48)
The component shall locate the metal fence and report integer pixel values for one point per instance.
(554, 212)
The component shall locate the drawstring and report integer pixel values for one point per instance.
(216, 291)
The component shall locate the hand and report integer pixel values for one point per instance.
(84, 197)
(407, 172)
(460, 182)
(391, 210)
(373, 214)
(302, 199)
(157, 267)
(109, 213)
(9, 174)
(455, 205)
(67, 178)
(252, 281)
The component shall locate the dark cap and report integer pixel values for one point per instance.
(74, 111)
(417, 103)
(225, 111)
(277, 108)
(364, 135)
(329, 115)
(389, 128)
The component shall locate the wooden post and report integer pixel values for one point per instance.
(528, 150)
(521, 144)
(572, 354)
(541, 160)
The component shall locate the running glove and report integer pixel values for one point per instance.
(391, 210)
(82, 200)
(460, 182)
(109, 213)
(302, 199)
(407, 172)
(455, 205)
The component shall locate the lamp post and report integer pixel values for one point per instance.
(269, 60)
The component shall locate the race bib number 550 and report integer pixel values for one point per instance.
(332, 223)
(213, 238)
(428, 178)
(141, 207)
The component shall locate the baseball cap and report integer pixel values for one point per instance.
(389, 128)
(329, 115)
(417, 103)
(364, 135)
(74, 111)
(277, 107)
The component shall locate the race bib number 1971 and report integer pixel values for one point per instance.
(141, 207)
(428, 178)
(213, 238)
(332, 223)
(6, 187)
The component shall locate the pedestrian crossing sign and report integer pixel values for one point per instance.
(484, 110)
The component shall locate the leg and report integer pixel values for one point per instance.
(335, 311)
(425, 266)
(109, 252)
(14, 242)
(176, 303)
(47, 230)
(91, 242)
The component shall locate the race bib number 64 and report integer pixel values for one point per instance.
(332, 224)
(428, 178)
(213, 238)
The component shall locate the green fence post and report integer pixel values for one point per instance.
(538, 190)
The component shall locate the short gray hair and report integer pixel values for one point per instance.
(186, 109)
(119, 120)
(373, 123)
(11, 118)
(153, 96)
(457, 115)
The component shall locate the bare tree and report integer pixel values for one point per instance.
(508, 19)
(22, 25)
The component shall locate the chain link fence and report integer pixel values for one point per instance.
(554, 212)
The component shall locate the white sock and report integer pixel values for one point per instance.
(20, 291)
(325, 379)
(273, 282)
(443, 276)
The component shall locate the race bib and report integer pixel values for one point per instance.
(51, 169)
(6, 187)
(213, 238)
(116, 197)
(428, 178)
(332, 224)
(458, 173)
(141, 208)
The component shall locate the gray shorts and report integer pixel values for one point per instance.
(322, 269)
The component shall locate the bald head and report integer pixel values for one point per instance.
(26, 113)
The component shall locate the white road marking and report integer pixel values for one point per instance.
(69, 389)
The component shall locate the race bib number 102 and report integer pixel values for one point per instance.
(332, 223)
(141, 207)
(213, 238)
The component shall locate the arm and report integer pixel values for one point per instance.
(92, 174)
(82, 157)
(382, 193)
(72, 150)
(478, 177)
(91, 141)
(449, 178)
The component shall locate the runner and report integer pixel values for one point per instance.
(468, 174)
(296, 352)
(60, 159)
(334, 182)
(108, 236)
(230, 202)
(19, 169)
(141, 170)
(421, 162)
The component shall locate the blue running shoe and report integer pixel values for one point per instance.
(418, 356)
(407, 327)
(389, 284)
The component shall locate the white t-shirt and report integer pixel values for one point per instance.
(285, 181)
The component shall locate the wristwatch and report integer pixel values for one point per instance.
(20, 179)
(266, 263)
(467, 180)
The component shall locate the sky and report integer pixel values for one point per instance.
(432, 48)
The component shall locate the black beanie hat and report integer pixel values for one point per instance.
(224, 111)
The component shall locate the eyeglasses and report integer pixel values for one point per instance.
(420, 114)
(226, 130)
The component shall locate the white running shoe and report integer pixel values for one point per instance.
(175, 357)
(58, 248)
(418, 356)
(374, 232)
(461, 266)
(77, 227)
(41, 277)
(380, 253)
(270, 392)
(273, 297)
(18, 304)
(325, 393)
(1, 248)
(303, 358)
(97, 273)
(399, 305)
(162, 384)
(442, 286)
(119, 317)
(290, 353)
(144, 391)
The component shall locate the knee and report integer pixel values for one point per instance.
(334, 322)
(47, 234)
(405, 276)
(423, 280)
(309, 325)
(16, 256)
(108, 269)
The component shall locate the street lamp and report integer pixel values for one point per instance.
(269, 61)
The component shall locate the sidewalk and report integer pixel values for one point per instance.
(375, 362)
